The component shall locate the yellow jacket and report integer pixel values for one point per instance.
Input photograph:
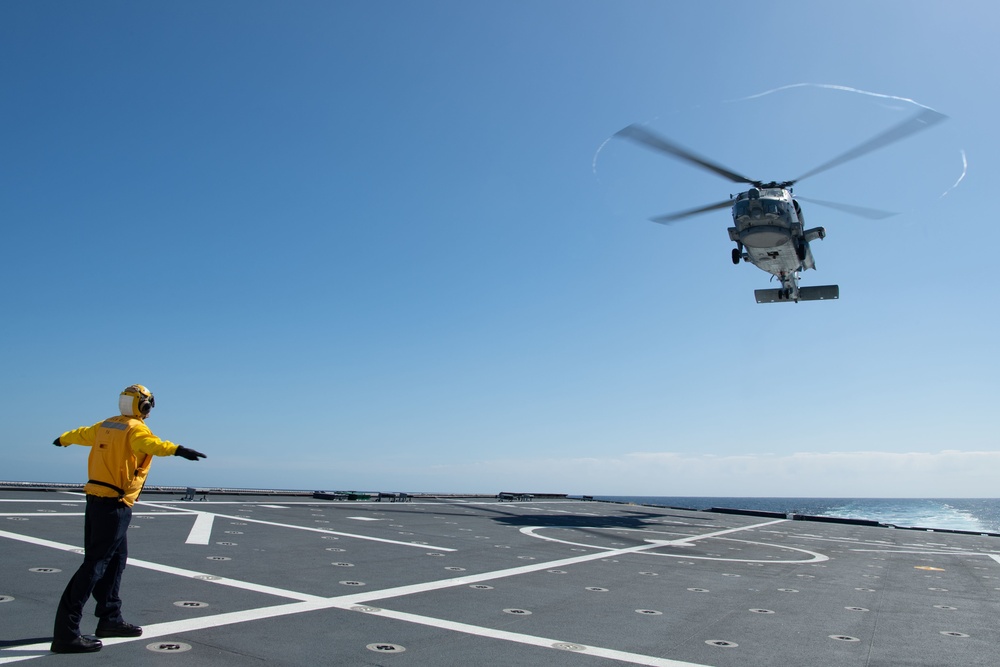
(121, 451)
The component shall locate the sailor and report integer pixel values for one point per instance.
(121, 450)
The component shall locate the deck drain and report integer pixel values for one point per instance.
(227, 544)
(190, 604)
(343, 564)
(563, 646)
(353, 583)
(44, 570)
(649, 574)
(233, 532)
(454, 568)
(944, 606)
(699, 590)
(337, 549)
(434, 553)
(597, 589)
(168, 647)
(865, 590)
(788, 590)
(722, 643)
(207, 577)
(855, 609)
(385, 648)
(481, 587)
(844, 638)
(17, 518)
(762, 611)
(556, 571)
(649, 612)
(365, 608)
(517, 612)
(6, 598)
(954, 634)
(218, 558)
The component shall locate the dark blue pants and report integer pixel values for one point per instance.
(105, 552)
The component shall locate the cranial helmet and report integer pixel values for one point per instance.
(136, 401)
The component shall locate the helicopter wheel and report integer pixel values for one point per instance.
(737, 255)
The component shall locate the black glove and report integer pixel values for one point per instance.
(189, 454)
(57, 443)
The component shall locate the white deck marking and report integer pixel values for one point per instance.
(531, 640)
(994, 557)
(201, 531)
(314, 603)
(324, 531)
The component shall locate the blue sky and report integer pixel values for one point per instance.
(390, 246)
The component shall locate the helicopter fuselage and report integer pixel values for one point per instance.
(769, 233)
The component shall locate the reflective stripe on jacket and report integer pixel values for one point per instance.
(121, 450)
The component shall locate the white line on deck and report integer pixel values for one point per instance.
(201, 531)
(314, 603)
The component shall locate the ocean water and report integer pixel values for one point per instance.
(972, 514)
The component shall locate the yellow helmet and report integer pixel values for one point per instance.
(136, 401)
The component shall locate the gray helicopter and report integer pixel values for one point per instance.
(769, 227)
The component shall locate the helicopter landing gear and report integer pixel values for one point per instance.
(737, 255)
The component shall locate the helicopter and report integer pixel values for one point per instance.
(769, 226)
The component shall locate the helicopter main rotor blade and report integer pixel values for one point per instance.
(921, 121)
(860, 211)
(674, 217)
(656, 142)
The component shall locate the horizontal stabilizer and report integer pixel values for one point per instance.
(818, 293)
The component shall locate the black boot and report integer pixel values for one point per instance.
(77, 645)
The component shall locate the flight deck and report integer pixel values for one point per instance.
(294, 580)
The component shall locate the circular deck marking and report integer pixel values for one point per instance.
(6, 598)
(844, 638)
(517, 612)
(190, 604)
(649, 612)
(168, 647)
(563, 646)
(807, 556)
(44, 570)
(385, 648)
(721, 643)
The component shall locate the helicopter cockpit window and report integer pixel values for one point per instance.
(773, 207)
(741, 209)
